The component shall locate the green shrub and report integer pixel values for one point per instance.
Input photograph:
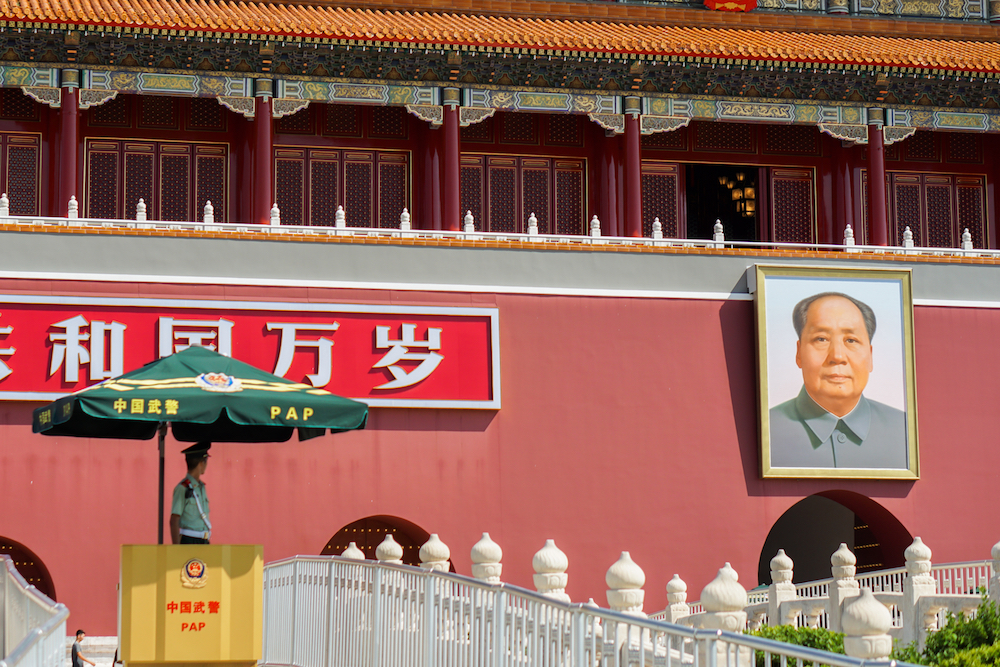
(975, 657)
(960, 639)
(817, 638)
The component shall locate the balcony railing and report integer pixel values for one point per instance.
(32, 626)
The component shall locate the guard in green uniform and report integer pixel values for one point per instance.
(189, 512)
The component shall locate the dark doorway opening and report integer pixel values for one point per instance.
(726, 193)
(813, 528)
(29, 566)
(369, 532)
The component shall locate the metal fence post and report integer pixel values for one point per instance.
(578, 637)
(429, 620)
(295, 607)
(499, 627)
(328, 648)
(376, 612)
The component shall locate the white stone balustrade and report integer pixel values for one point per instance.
(208, 214)
(73, 210)
(866, 624)
(140, 211)
(340, 218)
(275, 215)
(404, 221)
(677, 599)
(4, 206)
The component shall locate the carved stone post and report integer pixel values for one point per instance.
(486, 556)
(353, 552)
(844, 586)
(781, 589)
(625, 580)
(389, 551)
(866, 624)
(677, 599)
(725, 604)
(917, 584)
(435, 555)
(550, 565)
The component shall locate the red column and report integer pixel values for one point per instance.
(609, 224)
(877, 220)
(633, 176)
(451, 203)
(69, 116)
(263, 187)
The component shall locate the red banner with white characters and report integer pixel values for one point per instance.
(394, 356)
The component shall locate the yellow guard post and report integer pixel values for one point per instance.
(191, 604)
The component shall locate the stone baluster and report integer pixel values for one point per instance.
(435, 555)
(844, 586)
(5, 206)
(725, 604)
(140, 211)
(718, 234)
(657, 229)
(966, 240)
(625, 580)
(486, 556)
(404, 221)
(907, 237)
(389, 551)
(677, 596)
(73, 211)
(275, 215)
(595, 227)
(995, 579)
(917, 584)
(849, 241)
(866, 623)
(208, 215)
(340, 218)
(550, 565)
(353, 552)
(781, 589)
(532, 225)
(469, 223)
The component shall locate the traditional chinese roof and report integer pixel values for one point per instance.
(505, 32)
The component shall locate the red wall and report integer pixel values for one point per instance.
(627, 424)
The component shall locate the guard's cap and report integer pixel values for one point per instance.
(197, 449)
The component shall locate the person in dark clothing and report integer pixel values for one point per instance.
(77, 654)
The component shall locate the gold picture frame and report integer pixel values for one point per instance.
(835, 370)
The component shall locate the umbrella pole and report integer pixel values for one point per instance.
(162, 432)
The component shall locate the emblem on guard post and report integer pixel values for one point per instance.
(194, 574)
(218, 382)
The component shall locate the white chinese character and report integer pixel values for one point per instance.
(6, 352)
(195, 332)
(106, 355)
(289, 343)
(400, 352)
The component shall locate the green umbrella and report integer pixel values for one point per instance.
(202, 395)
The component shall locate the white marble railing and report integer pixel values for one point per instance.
(32, 627)
(331, 611)
(405, 230)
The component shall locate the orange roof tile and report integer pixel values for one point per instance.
(280, 20)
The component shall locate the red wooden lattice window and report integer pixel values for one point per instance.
(174, 179)
(792, 217)
(372, 186)
(937, 208)
(503, 191)
(661, 184)
(20, 176)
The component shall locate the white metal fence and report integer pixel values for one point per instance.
(336, 612)
(32, 626)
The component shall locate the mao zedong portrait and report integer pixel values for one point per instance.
(831, 424)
